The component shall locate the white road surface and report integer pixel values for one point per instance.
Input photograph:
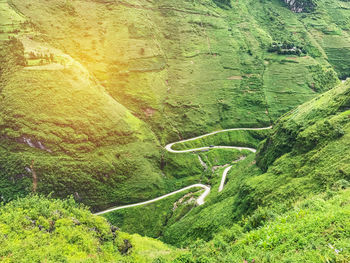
(169, 146)
(200, 200)
(206, 188)
(223, 178)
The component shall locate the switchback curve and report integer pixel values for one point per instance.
(206, 188)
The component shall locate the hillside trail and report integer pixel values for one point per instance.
(206, 188)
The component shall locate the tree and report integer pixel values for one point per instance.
(16, 48)
(223, 3)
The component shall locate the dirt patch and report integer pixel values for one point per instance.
(53, 66)
(293, 58)
(235, 78)
(149, 112)
(219, 166)
(186, 199)
(250, 91)
(228, 164)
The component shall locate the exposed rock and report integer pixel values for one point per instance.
(77, 196)
(114, 229)
(38, 145)
(19, 176)
(184, 200)
(29, 142)
(76, 221)
(219, 166)
(205, 166)
(299, 6)
(57, 213)
(224, 166)
(125, 247)
(149, 112)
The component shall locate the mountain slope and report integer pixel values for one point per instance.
(307, 153)
(315, 230)
(100, 85)
(91, 91)
(39, 229)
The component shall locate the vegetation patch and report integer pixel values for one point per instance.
(39, 229)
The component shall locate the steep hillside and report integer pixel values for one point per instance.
(97, 97)
(307, 153)
(35, 229)
(91, 89)
(315, 230)
(56, 113)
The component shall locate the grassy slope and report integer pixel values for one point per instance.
(157, 217)
(83, 128)
(93, 142)
(170, 87)
(307, 153)
(154, 216)
(175, 69)
(315, 230)
(39, 229)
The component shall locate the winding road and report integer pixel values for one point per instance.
(170, 145)
(200, 199)
(206, 188)
(223, 178)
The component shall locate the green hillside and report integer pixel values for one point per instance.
(99, 93)
(296, 211)
(306, 154)
(36, 229)
(315, 230)
(92, 92)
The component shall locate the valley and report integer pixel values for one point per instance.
(201, 198)
(174, 131)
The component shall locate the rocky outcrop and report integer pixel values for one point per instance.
(33, 144)
(299, 6)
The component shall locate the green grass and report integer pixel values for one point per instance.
(159, 216)
(40, 229)
(94, 113)
(229, 138)
(216, 157)
(286, 81)
(306, 154)
(155, 216)
(315, 230)
(139, 75)
(182, 97)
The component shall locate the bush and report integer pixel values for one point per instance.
(11, 55)
(38, 229)
(223, 3)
